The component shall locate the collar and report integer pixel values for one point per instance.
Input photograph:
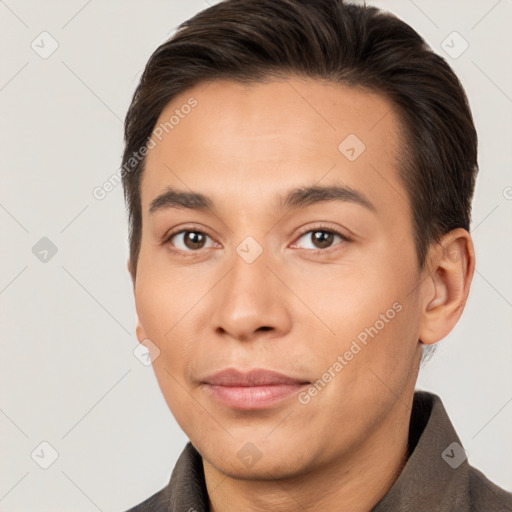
(436, 473)
(436, 477)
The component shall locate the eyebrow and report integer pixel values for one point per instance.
(297, 198)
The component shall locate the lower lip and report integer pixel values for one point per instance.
(253, 397)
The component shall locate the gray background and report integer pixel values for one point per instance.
(68, 375)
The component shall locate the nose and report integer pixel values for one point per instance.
(251, 302)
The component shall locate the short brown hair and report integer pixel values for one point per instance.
(336, 42)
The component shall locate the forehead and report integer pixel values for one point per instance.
(259, 137)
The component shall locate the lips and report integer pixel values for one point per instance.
(256, 389)
(255, 377)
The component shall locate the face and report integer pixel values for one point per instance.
(263, 273)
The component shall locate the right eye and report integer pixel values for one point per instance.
(187, 240)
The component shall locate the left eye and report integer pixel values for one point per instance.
(322, 238)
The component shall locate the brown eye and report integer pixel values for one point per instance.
(188, 240)
(322, 239)
(194, 239)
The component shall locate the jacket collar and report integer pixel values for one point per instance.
(436, 474)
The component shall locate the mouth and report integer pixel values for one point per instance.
(255, 389)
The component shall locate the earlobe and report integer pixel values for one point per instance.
(451, 267)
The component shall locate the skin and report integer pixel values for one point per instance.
(243, 145)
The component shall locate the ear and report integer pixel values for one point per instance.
(140, 331)
(449, 271)
(130, 270)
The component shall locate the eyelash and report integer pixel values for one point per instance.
(326, 229)
(309, 229)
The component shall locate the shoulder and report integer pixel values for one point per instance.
(159, 502)
(485, 495)
(186, 490)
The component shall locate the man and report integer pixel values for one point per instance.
(290, 359)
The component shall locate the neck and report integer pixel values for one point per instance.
(355, 484)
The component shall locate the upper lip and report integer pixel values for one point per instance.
(253, 377)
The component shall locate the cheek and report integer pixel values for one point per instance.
(370, 318)
(162, 296)
(346, 299)
(168, 301)
(162, 310)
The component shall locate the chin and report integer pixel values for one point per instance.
(260, 459)
(269, 470)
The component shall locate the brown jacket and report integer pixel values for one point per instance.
(436, 478)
